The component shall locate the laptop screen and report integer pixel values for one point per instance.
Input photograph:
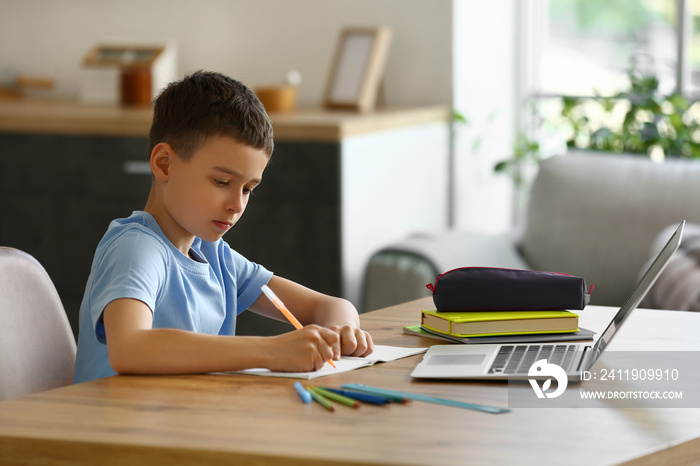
(642, 288)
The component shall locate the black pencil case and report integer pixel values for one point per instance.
(498, 289)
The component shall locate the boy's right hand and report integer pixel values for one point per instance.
(304, 350)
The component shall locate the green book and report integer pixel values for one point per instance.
(582, 334)
(476, 324)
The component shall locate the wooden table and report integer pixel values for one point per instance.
(247, 419)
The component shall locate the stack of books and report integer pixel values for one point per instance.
(500, 326)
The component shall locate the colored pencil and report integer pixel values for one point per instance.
(283, 309)
(320, 399)
(394, 397)
(303, 393)
(425, 398)
(337, 397)
(363, 397)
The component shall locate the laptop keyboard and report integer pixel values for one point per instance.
(517, 359)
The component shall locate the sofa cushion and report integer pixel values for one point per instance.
(596, 215)
(678, 286)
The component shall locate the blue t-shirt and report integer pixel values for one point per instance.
(136, 260)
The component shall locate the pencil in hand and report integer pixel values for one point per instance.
(283, 309)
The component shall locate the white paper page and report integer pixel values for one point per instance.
(381, 353)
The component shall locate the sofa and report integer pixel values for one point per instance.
(596, 215)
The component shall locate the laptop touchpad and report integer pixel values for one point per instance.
(456, 359)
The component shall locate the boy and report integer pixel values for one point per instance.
(165, 289)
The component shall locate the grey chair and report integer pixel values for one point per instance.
(37, 347)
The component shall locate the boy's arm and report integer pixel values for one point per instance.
(134, 347)
(312, 307)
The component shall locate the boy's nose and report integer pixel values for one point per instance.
(236, 203)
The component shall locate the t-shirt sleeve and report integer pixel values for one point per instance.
(131, 266)
(248, 276)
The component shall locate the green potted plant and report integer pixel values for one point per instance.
(640, 120)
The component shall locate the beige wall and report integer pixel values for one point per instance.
(256, 41)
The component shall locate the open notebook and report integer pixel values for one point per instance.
(345, 364)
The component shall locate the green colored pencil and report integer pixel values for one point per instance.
(320, 399)
(337, 397)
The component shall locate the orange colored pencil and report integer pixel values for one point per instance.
(283, 309)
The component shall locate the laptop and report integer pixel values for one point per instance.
(509, 361)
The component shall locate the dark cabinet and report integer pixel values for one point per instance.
(58, 194)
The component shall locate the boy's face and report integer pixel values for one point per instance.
(207, 194)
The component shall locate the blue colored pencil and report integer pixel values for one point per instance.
(303, 393)
(363, 397)
(429, 399)
(394, 397)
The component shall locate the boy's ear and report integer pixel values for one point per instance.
(162, 156)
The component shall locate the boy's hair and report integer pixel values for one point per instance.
(206, 104)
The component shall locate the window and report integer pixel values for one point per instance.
(605, 76)
(589, 46)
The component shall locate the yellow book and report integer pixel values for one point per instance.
(476, 324)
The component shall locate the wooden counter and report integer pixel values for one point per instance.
(69, 117)
(334, 125)
(312, 124)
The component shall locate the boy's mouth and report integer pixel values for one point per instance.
(224, 226)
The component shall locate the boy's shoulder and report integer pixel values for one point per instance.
(140, 237)
(137, 222)
(139, 232)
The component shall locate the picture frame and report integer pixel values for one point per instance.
(357, 68)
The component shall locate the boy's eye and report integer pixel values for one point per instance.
(219, 182)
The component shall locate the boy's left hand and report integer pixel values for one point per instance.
(353, 341)
(312, 307)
